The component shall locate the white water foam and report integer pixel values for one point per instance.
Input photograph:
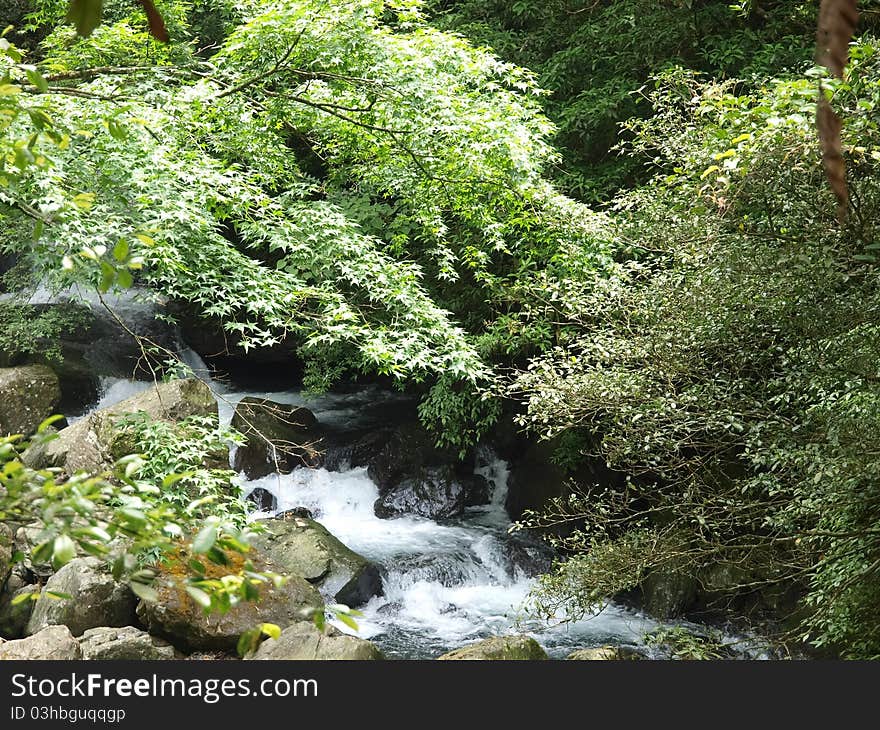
(445, 584)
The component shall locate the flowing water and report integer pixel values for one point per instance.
(445, 583)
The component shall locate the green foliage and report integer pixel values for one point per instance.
(28, 332)
(729, 369)
(342, 175)
(132, 519)
(596, 57)
(190, 459)
(684, 644)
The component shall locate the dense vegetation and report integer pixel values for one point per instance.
(388, 196)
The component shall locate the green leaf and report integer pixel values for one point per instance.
(85, 15)
(144, 592)
(124, 278)
(63, 550)
(205, 540)
(248, 641)
(199, 596)
(22, 597)
(48, 422)
(320, 619)
(120, 250)
(36, 78)
(196, 566)
(348, 621)
(58, 595)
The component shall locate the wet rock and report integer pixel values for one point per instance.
(534, 480)
(527, 556)
(263, 500)
(295, 512)
(127, 643)
(96, 599)
(279, 437)
(435, 493)
(28, 395)
(349, 451)
(53, 642)
(304, 547)
(303, 641)
(89, 444)
(499, 648)
(477, 490)
(415, 476)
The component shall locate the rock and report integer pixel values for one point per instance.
(526, 555)
(7, 548)
(266, 368)
(668, 593)
(89, 443)
(109, 643)
(435, 493)
(289, 514)
(606, 653)
(303, 641)
(53, 642)
(349, 451)
(304, 547)
(415, 476)
(534, 480)
(499, 648)
(97, 599)
(176, 617)
(14, 617)
(279, 437)
(28, 395)
(27, 538)
(477, 490)
(263, 500)
(408, 450)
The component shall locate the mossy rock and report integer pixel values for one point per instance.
(304, 547)
(28, 396)
(499, 648)
(303, 641)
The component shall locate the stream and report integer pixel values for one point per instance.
(445, 583)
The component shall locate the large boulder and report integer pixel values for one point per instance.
(415, 476)
(499, 648)
(435, 493)
(176, 617)
(304, 547)
(108, 643)
(53, 642)
(669, 593)
(534, 480)
(96, 599)
(28, 395)
(279, 437)
(303, 641)
(89, 443)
